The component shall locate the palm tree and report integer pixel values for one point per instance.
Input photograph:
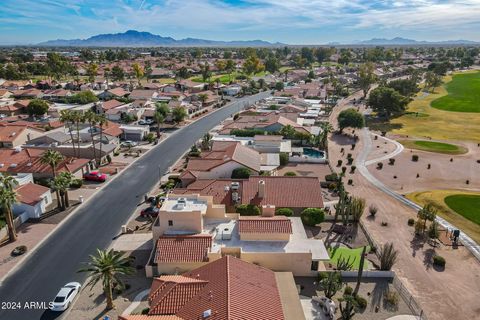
(66, 116)
(203, 97)
(78, 118)
(159, 118)
(326, 129)
(91, 118)
(61, 183)
(106, 72)
(106, 266)
(206, 140)
(101, 120)
(8, 197)
(52, 158)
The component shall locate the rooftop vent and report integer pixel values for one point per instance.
(207, 313)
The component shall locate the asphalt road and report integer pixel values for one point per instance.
(97, 222)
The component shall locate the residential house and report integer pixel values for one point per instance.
(114, 93)
(32, 201)
(227, 288)
(14, 135)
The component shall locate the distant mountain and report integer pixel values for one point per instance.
(403, 41)
(132, 38)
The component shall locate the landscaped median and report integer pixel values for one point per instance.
(434, 146)
(460, 208)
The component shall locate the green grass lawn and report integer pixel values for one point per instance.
(347, 253)
(432, 146)
(465, 205)
(463, 94)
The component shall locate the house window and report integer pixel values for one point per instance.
(45, 200)
(170, 223)
(314, 266)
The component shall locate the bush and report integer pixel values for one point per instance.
(76, 183)
(284, 212)
(391, 161)
(353, 146)
(116, 153)
(248, 210)
(414, 158)
(344, 169)
(283, 158)
(331, 177)
(109, 158)
(361, 302)
(290, 174)
(241, 173)
(348, 291)
(145, 310)
(352, 169)
(349, 161)
(150, 137)
(18, 251)
(429, 166)
(373, 210)
(350, 182)
(379, 166)
(439, 261)
(339, 163)
(391, 297)
(411, 222)
(312, 216)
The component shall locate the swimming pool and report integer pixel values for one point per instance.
(313, 153)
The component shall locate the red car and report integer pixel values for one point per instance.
(95, 176)
(149, 211)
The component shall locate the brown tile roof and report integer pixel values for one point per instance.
(112, 129)
(110, 104)
(9, 133)
(147, 317)
(119, 92)
(30, 193)
(182, 248)
(289, 192)
(231, 289)
(277, 224)
(211, 187)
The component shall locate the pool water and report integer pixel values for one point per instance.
(312, 153)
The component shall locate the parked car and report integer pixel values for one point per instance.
(95, 176)
(149, 211)
(65, 296)
(145, 122)
(128, 144)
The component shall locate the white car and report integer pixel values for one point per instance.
(65, 296)
(128, 144)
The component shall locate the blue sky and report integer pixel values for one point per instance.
(287, 21)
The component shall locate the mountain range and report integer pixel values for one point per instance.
(132, 38)
(403, 41)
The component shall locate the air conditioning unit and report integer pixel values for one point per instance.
(235, 185)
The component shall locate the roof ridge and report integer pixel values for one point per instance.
(227, 261)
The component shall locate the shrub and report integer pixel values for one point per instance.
(353, 146)
(339, 163)
(348, 291)
(372, 209)
(145, 310)
(312, 216)
(290, 174)
(391, 161)
(284, 212)
(283, 158)
(350, 182)
(248, 210)
(467, 182)
(379, 166)
(419, 226)
(418, 175)
(451, 159)
(429, 166)
(116, 153)
(361, 302)
(331, 177)
(411, 222)
(349, 161)
(439, 261)
(109, 158)
(414, 158)
(391, 297)
(76, 183)
(241, 173)
(344, 169)
(384, 224)
(352, 169)
(18, 251)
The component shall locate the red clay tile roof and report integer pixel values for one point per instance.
(110, 104)
(182, 248)
(278, 224)
(30, 193)
(112, 129)
(232, 289)
(288, 192)
(147, 317)
(9, 133)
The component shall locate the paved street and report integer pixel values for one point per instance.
(98, 221)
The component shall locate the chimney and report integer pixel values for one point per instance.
(261, 189)
(268, 210)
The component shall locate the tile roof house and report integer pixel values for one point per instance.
(32, 201)
(13, 135)
(220, 162)
(227, 288)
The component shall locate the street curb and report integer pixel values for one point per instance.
(41, 242)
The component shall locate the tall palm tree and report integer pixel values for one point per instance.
(101, 120)
(106, 266)
(326, 129)
(159, 119)
(8, 197)
(52, 158)
(66, 117)
(91, 118)
(60, 184)
(78, 118)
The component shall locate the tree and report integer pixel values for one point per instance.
(101, 122)
(178, 114)
(322, 54)
(279, 86)
(206, 141)
(106, 72)
(241, 173)
(366, 77)
(272, 64)
(347, 311)
(203, 97)
(8, 197)
(138, 71)
(322, 137)
(92, 70)
(162, 108)
(388, 257)
(350, 118)
(360, 271)
(60, 184)
(159, 119)
(252, 65)
(83, 97)
(66, 116)
(91, 118)
(433, 231)
(288, 131)
(247, 210)
(205, 71)
(331, 283)
(406, 87)
(312, 216)
(356, 207)
(37, 107)
(387, 102)
(432, 80)
(106, 267)
(51, 158)
(117, 74)
(183, 73)
(427, 213)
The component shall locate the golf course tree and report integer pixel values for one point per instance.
(427, 213)
(37, 107)
(432, 80)
(366, 77)
(106, 267)
(387, 102)
(350, 118)
(406, 87)
(8, 197)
